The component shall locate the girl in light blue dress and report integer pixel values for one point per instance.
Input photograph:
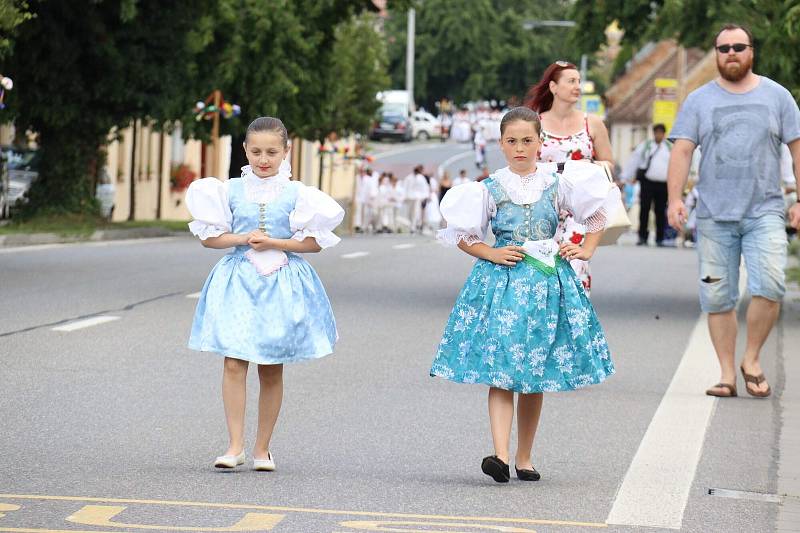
(523, 322)
(262, 302)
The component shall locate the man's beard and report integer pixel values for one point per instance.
(735, 70)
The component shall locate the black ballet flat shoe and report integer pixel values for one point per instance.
(497, 469)
(527, 475)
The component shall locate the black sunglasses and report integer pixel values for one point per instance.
(738, 47)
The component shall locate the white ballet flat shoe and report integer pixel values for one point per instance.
(264, 465)
(229, 461)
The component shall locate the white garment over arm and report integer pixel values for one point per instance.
(315, 215)
(467, 209)
(586, 193)
(207, 201)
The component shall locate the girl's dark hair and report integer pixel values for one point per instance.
(269, 124)
(539, 97)
(521, 113)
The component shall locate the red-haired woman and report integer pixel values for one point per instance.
(568, 134)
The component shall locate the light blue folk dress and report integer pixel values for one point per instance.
(527, 328)
(263, 308)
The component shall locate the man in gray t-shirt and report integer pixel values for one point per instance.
(740, 120)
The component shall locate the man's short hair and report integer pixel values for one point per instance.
(659, 127)
(732, 26)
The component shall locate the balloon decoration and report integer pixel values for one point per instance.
(6, 84)
(206, 110)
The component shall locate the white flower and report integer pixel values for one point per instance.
(507, 318)
(442, 370)
(501, 380)
(565, 358)
(521, 290)
(517, 352)
(471, 376)
(550, 385)
(578, 321)
(540, 294)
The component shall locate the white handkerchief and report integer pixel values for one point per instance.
(544, 251)
(267, 262)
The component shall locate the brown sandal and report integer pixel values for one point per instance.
(731, 390)
(750, 378)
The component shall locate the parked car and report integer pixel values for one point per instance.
(22, 165)
(424, 126)
(392, 126)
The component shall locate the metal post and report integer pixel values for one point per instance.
(410, 53)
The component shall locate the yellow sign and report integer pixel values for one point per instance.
(665, 104)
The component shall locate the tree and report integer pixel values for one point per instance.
(775, 25)
(478, 49)
(12, 14)
(104, 63)
(315, 65)
(84, 67)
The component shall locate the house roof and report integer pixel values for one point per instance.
(631, 97)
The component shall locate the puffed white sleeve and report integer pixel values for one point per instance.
(315, 215)
(207, 201)
(584, 191)
(467, 208)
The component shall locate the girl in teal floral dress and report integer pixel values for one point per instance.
(523, 322)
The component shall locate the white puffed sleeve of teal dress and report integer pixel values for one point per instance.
(315, 215)
(584, 191)
(207, 201)
(467, 209)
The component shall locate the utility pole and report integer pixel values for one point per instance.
(410, 53)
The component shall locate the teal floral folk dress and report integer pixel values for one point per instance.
(527, 328)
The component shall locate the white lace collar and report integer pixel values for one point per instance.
(265, 190)
(523, 190)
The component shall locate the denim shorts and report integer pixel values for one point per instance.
(721, 245)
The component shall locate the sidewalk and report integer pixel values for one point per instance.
(789, 412)
(30, 239)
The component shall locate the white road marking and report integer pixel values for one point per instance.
(194, 295)
(85, 323)
(405, 246)
(656, 487)
(353, 255)
(401, 151)
(450, 160)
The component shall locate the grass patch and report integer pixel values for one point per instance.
(81, 225)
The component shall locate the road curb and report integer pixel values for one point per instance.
(33, 239)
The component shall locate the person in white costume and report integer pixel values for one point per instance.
(417, 191)
(365, 194)
(386, 205)
(461, 178)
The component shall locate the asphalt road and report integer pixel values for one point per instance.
(114, 427)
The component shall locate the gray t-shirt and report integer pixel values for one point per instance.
(741, 137)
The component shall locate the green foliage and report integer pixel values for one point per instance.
(101, 65)
(104, 63)
(12, 14)
(775, 25)
(477, 49)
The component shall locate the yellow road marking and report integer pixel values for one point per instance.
(303, 510)
(8, 507)
(101, 515)
(382, 525)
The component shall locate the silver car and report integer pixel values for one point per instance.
(21, 169)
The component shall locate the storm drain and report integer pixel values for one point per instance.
(746, 495)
